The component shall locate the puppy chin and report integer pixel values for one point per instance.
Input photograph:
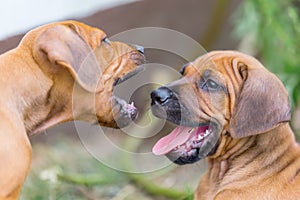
(123, 113)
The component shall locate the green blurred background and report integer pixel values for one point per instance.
(270, 30)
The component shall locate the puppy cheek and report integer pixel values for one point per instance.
(103, 109)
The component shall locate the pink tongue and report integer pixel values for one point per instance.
(176, 138)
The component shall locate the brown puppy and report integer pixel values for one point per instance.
(235, 112)
(59, 72)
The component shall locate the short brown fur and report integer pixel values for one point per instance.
(257, 157)
(41, 86)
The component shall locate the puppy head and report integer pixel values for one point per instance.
(222, 92)
(85, 66)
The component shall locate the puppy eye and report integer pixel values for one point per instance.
(210, 85)
(183, 68)
(105, 40)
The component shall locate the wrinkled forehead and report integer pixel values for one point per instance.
(93, 36)
(202, 64)
(220, 61)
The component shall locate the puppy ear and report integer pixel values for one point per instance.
(262, 104)
(63, 46)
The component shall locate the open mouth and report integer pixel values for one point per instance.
(187, 144)
(124, 112)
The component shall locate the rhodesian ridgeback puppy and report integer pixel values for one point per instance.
(59, 72)
(233, 111)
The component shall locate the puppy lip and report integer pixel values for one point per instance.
(138, 58)
(127, 76)
(182, 138)
(124, 113)
(194, 148)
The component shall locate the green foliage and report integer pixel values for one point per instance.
(157, 190)
(54, 175)
(274, 29)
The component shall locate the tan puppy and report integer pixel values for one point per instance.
(234, 112)
(59, 72)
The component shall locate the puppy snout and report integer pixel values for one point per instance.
(161, 95)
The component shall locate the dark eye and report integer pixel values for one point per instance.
(210, 85)
(105, 40)
(183, 68)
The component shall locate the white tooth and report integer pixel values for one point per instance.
(200, 137)
(207, 132)
(132, 104)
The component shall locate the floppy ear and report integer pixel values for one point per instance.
(261, 106)
(63, 46)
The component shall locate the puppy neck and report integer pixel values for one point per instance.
(252, 154)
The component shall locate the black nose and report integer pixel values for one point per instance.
(140, 49)
(161, 95)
